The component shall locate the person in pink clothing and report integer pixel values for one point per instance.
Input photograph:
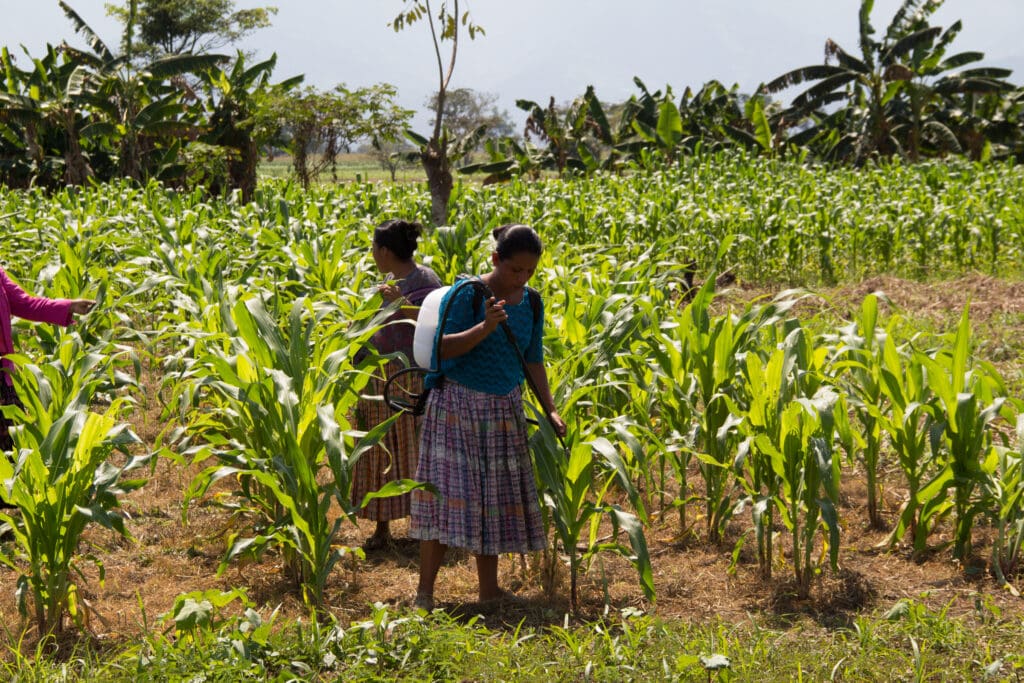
(15, 301)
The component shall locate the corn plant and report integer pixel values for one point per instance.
(601, 372)
(808, 494)
(859, 359)
(573, 491)
(714, 349)
(913, 433)
(281, 401)
(793, 422)
(1004, 490)
(61, 480)
(677, 390)
(967, 401)
(457, 250)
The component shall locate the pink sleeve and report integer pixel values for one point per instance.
(35, 308)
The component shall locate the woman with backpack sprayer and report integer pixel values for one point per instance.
(393, 251)
(473, 440)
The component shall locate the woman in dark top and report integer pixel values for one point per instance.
(394, 244)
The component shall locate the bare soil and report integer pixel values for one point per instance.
(694, 580)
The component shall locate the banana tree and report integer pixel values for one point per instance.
(712, 117)
(937, 83)
(137, 109)
(572, 139)
(888, 103)
(234, 103)
(52, 98)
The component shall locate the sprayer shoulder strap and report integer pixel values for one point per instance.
(533, 294)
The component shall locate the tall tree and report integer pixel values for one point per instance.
(444, 26)
(466, 109)
(172, 27)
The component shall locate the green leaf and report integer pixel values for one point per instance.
(670, 124)
(397, 488)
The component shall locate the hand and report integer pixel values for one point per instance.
(81, 306)
(558, 423)
(390, 292)
(494, 314)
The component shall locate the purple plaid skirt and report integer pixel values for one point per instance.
(473, 448)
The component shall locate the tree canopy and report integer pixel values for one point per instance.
(170, 27)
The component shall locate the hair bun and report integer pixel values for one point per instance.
(413, 230)
(512, 238)
(503, 230)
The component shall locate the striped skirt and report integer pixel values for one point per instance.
(473, 448)
(8, 397)
(394, 457)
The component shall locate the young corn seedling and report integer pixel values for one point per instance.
(808, 494)
(677, 389)
(714, 349)
(61, 478)
(911, 428)
(968, 400)
(573, 489)
(280, 402)
(1004, 489)
(859, 359)
(792, 424)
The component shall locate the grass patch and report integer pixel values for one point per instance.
(907, 642)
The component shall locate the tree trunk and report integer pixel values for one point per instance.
(77, 170)
(439, 180)
(243, 171)
(130, 162)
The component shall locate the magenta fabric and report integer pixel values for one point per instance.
(16, 301)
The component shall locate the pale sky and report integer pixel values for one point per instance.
(535, 49)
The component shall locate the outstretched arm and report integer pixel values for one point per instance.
(40, 309)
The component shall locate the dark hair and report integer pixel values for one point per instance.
(399, 236)
(514, 238)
